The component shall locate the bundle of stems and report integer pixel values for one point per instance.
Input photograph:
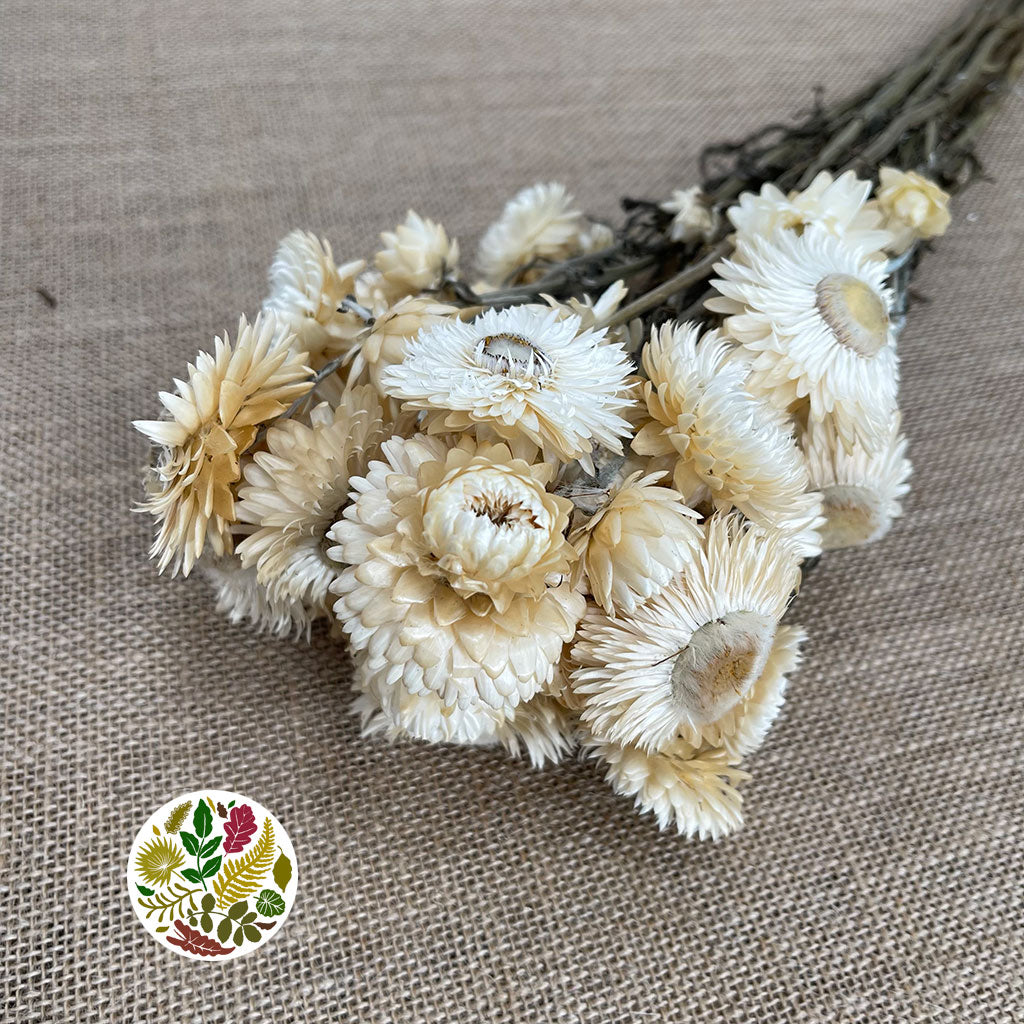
(926, 116)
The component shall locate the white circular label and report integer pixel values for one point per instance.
(212, 875)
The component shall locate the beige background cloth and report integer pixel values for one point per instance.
(152, 155)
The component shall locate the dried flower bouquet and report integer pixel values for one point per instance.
(569, 500)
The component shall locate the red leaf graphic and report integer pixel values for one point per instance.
(239, 828)
(193, 941)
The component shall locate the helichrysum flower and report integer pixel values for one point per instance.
(693, 219)
(862, 491)
(457, 568)
(539, 223)
(541, 727)
(242, 598)
(813, 314)
(523, 372)
(695, 791)
(306, 290)
(913, 206)
(295, 491)
(728, 447)
(158, 860)
(416, 256)
(215, 416)
(838, 206)
(388, 339)
(687, 657)
(633, 546)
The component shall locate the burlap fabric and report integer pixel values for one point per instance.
(152, 156)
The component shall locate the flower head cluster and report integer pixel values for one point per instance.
(551, 524)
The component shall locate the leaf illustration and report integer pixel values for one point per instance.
(144, 890)
(210, 802)
(162, 928)
(192, 875)
(175, 901)
(224, 929)
(190, 842)
(158, 859)
(265, 925)
(210, 847)
(177, 817)
(239, 828)
(156, 831)
(208, 902)
(269, 904)
(202, 820)
(211, 867)
(220, 810)
(252, 934)
(242, 876)
(193, 941)
(282, 872)
(238, 910)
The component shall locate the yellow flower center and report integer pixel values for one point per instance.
(854, 312)
(509, 354)
(852, 516)
(720, 664)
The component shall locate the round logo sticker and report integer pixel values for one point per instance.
(212, 875)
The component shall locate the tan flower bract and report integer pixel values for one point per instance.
(215, 416)
(913, 207)
(416, 256)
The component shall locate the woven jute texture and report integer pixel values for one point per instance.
(152, 155)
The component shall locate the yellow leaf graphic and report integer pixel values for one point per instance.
(241, 876)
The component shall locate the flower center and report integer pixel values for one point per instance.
(509, 354)
(852, 516)
(854, 312)
(720, 664)
(503, 511)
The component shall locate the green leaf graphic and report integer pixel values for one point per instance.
(224, 929)
(252, 934)
(206, 923)
(210, 847)
(208, 902)
(192, 875)
(144, 890)
(237, 910)
(202, 820)
(211, 867)
(190, 842)
(282, 872)
(269, 904)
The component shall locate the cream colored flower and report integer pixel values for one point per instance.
(814, 316)
(593, 314)
(862, 491)
(632, 547)
(242, 598)
(388, 339)
(687, 657)
(456, 566)
(596, 236)
(522, 372)
(295, 491)
(913, 206)
(728, 447)
(837, 206)
(541, 728)
(306, 289)
(215, 416)
(539, 223)
(416, 256)
(693, 220)
(695, 791)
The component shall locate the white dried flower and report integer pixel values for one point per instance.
(539, 223)
(695, 791)
(523, 372)
(862, 491)
(913, 206)
(814, 316)
(632, 547)
(306, 289)
(693, 219)
(215, 417)
(295, 491)
(688, 656)
(242, 598)
(456, 559)
(837, 206)
(727, 446)
(596, 236)
(416, 256)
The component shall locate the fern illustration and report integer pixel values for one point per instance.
(241, 876)
(170, 902)
(177, 817)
